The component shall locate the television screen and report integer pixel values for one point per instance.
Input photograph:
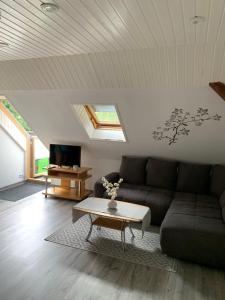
(65, 155)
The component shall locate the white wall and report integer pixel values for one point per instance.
(50, 114)
(11, 160)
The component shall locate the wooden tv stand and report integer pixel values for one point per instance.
(66, 175)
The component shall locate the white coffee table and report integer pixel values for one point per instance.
(125, 214)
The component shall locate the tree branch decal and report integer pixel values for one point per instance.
(179, 122)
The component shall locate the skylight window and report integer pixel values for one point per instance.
(100, 121)
(103, 116)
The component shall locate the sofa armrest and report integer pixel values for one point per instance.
(99, 189)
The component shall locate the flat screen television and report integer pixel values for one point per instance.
(65, 155)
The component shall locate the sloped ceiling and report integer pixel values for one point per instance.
(181, 66)
(111, 44)
(90, 26)
(143, 55)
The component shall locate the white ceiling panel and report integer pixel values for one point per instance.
(92, 26)
(111, 43)
(179, 66)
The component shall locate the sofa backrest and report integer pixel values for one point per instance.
(172, 175)
(193, 178)
(132, 169)
(217, 185)
(161, 173)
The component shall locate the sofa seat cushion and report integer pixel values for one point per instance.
(159, 201)
(193, 178)
(194, 238)
(195, 205)
(132, 169)
(222, 204)
(193, 230)
(217, 185)
(161, 173)
(135, 186)
(132, 195)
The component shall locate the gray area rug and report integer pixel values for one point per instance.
(106, 241)
(21, 191)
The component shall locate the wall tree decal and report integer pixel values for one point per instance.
(178, 124)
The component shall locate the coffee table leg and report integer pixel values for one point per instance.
(122, 240)
(90, 230)
(46, 186)
(131, 231)
(123, 237)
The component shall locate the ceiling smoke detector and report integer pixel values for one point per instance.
(3, 44)
(49, 7)
(197, 19)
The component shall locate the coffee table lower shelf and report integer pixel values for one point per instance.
(66, 193)
(112, 224)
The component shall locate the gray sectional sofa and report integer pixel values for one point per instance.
(187, 201)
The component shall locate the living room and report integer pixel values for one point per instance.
(127, 97)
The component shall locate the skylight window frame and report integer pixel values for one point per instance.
(101, 125)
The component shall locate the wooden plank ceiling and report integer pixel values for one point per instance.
(111, 43)
(87, 26)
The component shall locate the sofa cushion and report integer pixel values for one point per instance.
(222, 204)
(194, 238)
(161, 173)
(194, 204)
(217, 185)
(223, 213)
(132, 169)
(159, 201)
(193, 230)
(193, 178)
(132, 195)
(135, 186)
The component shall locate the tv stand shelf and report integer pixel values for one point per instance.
(66, 175)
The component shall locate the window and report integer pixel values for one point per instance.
(103, 116)
(16, 115)
(101, 122)
(37, 155)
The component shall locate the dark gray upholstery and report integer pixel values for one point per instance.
(222, 204)
(161, 173)
(193, 178)
(193, 230)
(132, 169)
(223, 213)
(136, 186)
(194, 204)
(192, 218)
(137, 196)
(217, 185)
(157, 199)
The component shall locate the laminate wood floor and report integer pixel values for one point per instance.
(31, 268)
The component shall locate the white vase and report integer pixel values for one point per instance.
(112, 204)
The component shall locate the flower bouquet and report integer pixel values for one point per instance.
(111, 190)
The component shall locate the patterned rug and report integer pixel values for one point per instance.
(107, 241)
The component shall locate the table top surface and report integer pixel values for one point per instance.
(125, 211)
